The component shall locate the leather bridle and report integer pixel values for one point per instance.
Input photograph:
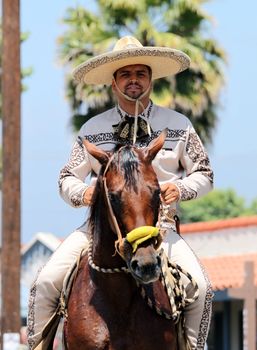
(120, 241)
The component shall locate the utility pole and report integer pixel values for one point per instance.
(11, 88)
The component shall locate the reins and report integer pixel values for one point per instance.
(112, 216)
(172, 282)
(98, 268)
(137, 104)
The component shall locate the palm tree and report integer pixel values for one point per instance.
(181, 24)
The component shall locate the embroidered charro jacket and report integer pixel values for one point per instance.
(182, 161)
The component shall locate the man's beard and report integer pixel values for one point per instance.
(134, 93)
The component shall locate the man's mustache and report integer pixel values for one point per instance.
(133, 84)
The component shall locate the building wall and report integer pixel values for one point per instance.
(32, 261)
(232, 241)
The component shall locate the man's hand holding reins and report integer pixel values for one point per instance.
(169, 193)
(88, 194)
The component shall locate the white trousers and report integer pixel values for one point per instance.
(46, 289)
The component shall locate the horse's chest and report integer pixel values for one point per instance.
(137, 327)
(114, 317)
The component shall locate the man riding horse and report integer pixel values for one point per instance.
(182, 167)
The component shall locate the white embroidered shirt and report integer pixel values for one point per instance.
(182, 161)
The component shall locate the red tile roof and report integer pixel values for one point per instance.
(198, 227)
(225, 271)
(228, 271)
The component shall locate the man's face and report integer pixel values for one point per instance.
(132, 80)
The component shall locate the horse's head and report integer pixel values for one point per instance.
(131, 200)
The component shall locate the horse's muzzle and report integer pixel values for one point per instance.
(145, 268)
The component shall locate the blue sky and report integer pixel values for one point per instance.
(47, 136)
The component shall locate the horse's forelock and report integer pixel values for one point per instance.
(125, 161)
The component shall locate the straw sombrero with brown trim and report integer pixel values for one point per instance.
(163, 61)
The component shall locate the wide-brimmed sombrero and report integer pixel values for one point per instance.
(164, 61)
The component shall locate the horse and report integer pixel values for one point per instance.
(105, 309)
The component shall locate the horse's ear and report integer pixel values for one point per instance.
(96, 152)
(155, 146)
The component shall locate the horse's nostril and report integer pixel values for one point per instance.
(134, 265)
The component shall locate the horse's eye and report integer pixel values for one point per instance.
(113, 197)
(115, 201)
(157, 192)
(155, 200)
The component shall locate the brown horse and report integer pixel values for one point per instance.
(106, 310)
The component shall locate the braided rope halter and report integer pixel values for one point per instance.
(174, 286)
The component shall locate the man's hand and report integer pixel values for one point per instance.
(87, 199)
(169, 193)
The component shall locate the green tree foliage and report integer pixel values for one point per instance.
(181, 24)
(218, 204)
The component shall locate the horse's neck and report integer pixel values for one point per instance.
(116, 286)
(104, 253)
